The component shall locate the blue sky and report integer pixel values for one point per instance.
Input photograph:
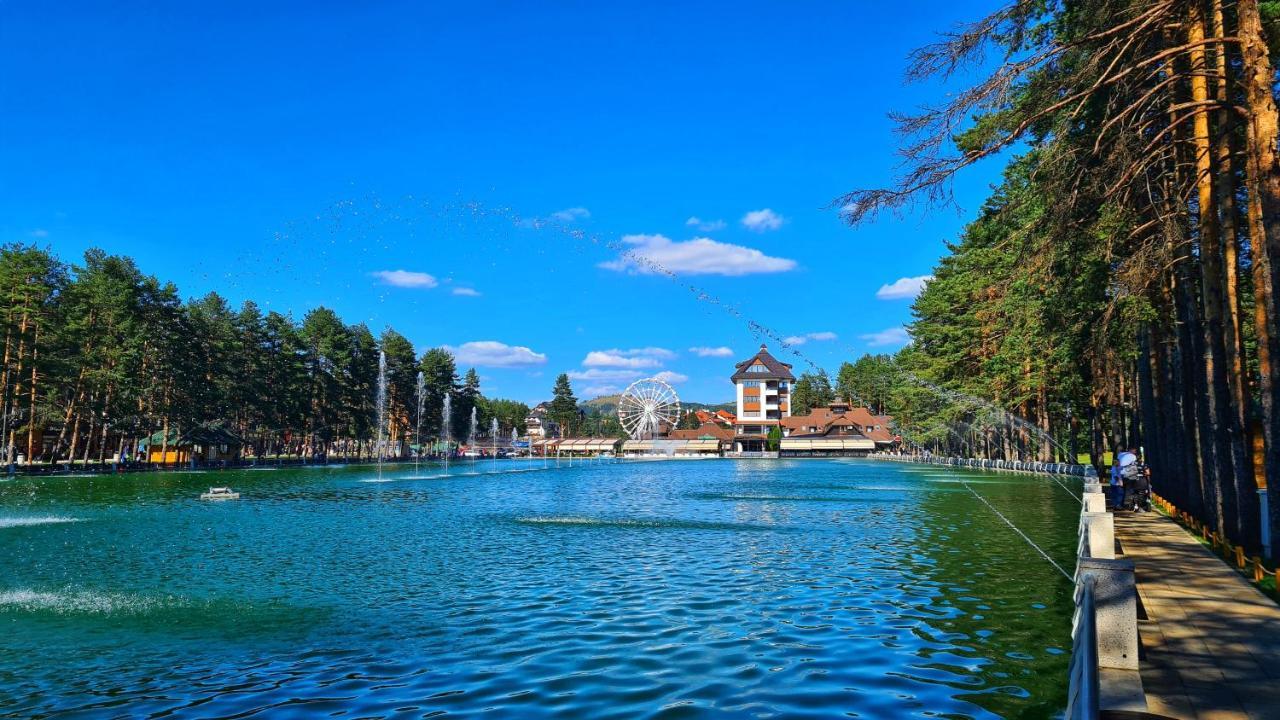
(512, 180)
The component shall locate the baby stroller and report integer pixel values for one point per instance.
(1138, 493)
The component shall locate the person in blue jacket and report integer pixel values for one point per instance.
(1117, 484)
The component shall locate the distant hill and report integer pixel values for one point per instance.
(609, 404)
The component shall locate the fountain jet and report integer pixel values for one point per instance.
(382, 407)
(493, 441)
(417, 428)
(446, 416)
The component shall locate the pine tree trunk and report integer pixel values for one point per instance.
(1264, 227)
(1224, 434)
(1225, 197)
(1152, 439)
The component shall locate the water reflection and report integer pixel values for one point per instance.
(792, 588)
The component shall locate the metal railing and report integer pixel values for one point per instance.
(1083, 692)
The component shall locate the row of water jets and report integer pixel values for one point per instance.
(446, 418)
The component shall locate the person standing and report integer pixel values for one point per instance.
(1117, 484)
(1130, 471)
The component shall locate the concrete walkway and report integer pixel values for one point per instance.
(1210, 641)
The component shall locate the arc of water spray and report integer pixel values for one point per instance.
(956, 397)
(1023, 535)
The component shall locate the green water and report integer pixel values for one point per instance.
(795, 588)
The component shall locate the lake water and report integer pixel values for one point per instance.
(794, 588)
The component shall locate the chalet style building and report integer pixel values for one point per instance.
(837, 429)
(763, 385)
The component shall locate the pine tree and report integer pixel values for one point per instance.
(465, 399)
(563, 409)
(402, 386)
(440, 376)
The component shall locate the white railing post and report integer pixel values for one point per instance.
(1095, 502)
(1116, 610)
(1099, 532)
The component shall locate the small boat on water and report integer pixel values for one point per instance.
(220, 493)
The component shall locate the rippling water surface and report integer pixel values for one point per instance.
(804, 588)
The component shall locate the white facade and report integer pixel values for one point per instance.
(774, 400)
(763, 394)
(538, 426)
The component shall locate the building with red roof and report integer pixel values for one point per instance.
(837, 428)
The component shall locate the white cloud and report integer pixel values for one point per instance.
(705, 225)
(823, 336)
(711, 351)
(658, 254)
(762, 220)
(598, 375)
(491, 353)
(646, 357)
(604, 358)
(405, 278)
(903, 288)
(466, 292)
(569, 215)
(891, 336)
(566, 216)
(39, 233)
(608, 372)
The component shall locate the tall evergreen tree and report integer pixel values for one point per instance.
(402, 383)
(563, 408)
(465, 399)
(440, 375)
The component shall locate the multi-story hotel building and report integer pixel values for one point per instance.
(764, 399)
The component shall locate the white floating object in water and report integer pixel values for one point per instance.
(220, 493)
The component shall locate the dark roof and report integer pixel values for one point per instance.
(708, 430)
(825, 420)
(204, 435)
(777, 370)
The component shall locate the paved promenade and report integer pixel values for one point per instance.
(1210, 641)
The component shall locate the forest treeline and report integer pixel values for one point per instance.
(98, 356)
(1118, 289)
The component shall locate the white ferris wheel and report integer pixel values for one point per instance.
(646, 407)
